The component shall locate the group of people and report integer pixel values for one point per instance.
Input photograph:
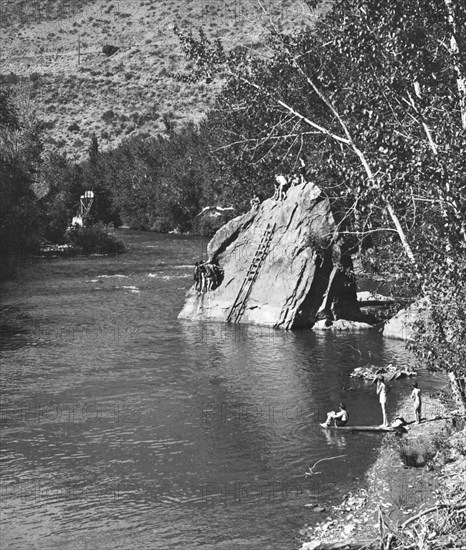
(283, 183)
(207, 275)
(341, 417)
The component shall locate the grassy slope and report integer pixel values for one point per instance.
(134, 89)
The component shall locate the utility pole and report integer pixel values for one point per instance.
(79, 49)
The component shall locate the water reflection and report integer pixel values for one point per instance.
(125, 427)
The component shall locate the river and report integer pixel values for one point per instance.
(123, 427)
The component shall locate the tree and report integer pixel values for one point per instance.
(63, 182)
(354, 86)
(376, 92)
(18, 209)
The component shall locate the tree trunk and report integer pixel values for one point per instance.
(458, 388)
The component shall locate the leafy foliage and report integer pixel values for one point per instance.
(19, 155)
(440, 341)
(374, 98)
(94, 239)
(153, 183)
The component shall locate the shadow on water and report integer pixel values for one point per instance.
(123, 426)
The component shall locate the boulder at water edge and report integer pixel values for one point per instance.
(401, 326)
(298, 276)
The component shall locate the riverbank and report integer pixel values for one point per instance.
(421, 470)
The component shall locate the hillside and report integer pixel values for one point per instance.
(51, 50)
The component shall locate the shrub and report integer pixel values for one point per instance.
(11, 78)
(109, 50)
(108, 116)
(418, 453)
(94, 239)
(409, 456)
(74, 127)
(162, 224)
(136, 117)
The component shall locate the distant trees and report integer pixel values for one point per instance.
(20, 148)
(155, 183)
(63, 185)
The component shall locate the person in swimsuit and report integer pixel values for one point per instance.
(382, 391)
(197, 276)
(416, 397)
(211, 276)
(339, 418)
(255, 202)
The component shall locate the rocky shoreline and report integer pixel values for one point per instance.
(421, 472)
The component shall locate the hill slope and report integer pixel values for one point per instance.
(52, 53)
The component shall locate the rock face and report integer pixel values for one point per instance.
(401, 325)
(298, 276)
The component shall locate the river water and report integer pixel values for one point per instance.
(123, 427)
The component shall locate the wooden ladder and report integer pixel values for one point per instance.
(239, 304)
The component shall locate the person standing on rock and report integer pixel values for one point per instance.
(416, 397)
(382, 390)
(281, 187)
(202, 273)
(210, 275)
(255, 202)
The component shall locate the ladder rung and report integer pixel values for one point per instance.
(239, 304)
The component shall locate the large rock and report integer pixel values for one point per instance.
(401, 326)
(298, 276)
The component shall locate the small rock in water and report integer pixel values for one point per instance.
(310, 545)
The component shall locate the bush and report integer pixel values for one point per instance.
(94, 239)
(420, 453)
(74, 127)
(109, 49)
(162, 224)
(108, 116)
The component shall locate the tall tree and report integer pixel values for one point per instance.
(20, 148)
(375, 94)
